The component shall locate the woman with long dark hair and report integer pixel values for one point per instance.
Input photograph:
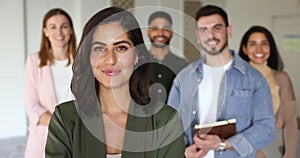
(113, 114)
(258, 47)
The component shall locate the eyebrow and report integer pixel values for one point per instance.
(216, 25)
(120, 42)
(116, 43)
(65, 23)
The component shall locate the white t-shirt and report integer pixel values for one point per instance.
(209, 93)
(113, 155)
(62, 76)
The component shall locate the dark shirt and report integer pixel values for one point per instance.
(75, 135)
(162, 74)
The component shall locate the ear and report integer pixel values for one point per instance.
(148, 32)
(198, 36)
(136, 60)
(171, 31)
(46, 32)
(229, 31)
(244, 50)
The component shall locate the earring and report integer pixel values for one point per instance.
(135, 66)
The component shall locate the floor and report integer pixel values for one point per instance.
(12, 148)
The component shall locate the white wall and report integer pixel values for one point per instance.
(17, 40)
(12, 115)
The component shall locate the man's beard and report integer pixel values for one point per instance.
(160, 45)
(214, 50)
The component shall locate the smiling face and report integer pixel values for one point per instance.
(112, 56)
(212, 34)
(257, 48)
(58, 30)
(160, 32)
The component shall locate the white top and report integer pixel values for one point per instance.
(113, 155)
(209, 93)
(62, 76)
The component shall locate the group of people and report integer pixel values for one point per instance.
(111, 97)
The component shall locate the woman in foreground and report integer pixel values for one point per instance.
(113, 114)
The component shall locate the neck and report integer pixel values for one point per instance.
(114, 101)
(159, 53)
(60, 53)
(218, 60)
(262, 68)
(258, 65)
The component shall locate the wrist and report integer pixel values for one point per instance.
(222, 146)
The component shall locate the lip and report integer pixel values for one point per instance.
(160, 38)
(60, 38)
(259, 55)
(111, 72)
(212, 43)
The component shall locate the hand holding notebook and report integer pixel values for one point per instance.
(224, 129)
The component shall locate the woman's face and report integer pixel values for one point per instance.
(112, 56)
(58, 30)
(257, 48)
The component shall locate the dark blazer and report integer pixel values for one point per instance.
(75, 135)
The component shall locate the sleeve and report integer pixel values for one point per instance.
(172, 145)
(288, 102)
(33, 106)
(58, 141)
(174, 95)
(262, 128)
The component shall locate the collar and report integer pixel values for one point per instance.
(237, 63)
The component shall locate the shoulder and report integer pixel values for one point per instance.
(165, 115)
(281, 76)
(33, 56)
(178, 59)
(245, 68)
(66, 111)
(189, 70)
(33, 59)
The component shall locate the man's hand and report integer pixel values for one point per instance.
(208, 142)
(194, 152)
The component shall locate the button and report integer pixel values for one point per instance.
(159, 90)
(194, 112)
(159, 75)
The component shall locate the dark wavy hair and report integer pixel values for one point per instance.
(84, 85)
(160, 14)
(210, 10)
(274, 61)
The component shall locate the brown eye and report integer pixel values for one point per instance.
(121, 49)
(99, 50)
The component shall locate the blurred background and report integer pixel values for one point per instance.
(21, 26)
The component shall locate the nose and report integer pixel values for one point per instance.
(210, 33)
(110, 58)
(160, 31)
(259, 47)
(59, 31)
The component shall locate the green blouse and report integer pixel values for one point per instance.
(73, 135)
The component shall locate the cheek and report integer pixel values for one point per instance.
(126, 60)
(94, 61)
